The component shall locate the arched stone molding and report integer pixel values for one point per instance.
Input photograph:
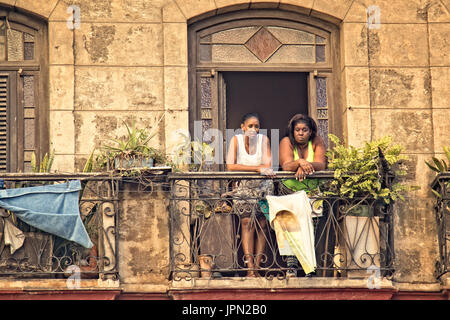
(329, 10)
(41, 8)
(178, 14)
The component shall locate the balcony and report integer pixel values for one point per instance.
(441, 187)
(353, 238)
(179, 235)
(47, 256)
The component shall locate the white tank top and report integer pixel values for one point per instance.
(249, 159)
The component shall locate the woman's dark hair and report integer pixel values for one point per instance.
(303, 119)
(250, 115)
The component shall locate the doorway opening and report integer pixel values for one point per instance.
(274, 96)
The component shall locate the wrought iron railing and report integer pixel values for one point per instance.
(441, 186)
(352, 237)
(45, 255)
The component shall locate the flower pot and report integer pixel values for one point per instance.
(361, 211)
(359, 245)
(205, 265)
(128, 163)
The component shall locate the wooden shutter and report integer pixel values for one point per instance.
(4, 86)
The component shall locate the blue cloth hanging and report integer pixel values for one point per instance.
(50, 208)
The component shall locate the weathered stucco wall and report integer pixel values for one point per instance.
(121, 68)
(129, 58)
(143, 238)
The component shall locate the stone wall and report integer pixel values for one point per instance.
(129, 59)
(143, 258)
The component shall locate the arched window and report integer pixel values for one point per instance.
(273, 62)
(23, 87)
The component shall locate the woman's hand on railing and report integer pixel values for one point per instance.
(300, 174)
(267, 172)
(306, 166)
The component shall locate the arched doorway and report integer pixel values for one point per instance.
(272, 62)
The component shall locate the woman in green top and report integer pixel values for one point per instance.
(302, 151)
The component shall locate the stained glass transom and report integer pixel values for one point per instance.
(263, 44)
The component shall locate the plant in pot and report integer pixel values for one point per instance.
(362, 180)
(441, 188)
(192, 155)
(358, 172)
(131, 151)
(197, 156)
(440, 166)
(45, 165)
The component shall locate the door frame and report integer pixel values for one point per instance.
(329, 69)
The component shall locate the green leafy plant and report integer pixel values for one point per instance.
(89, 166)
(440, 166)
(357, 170)
(195, 154)
(45, 165)
(135, 145)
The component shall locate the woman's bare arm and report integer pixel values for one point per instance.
(288, 163)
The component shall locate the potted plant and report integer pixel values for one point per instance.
(362, 179)
(440, 166)
(131, 151)
(45, 165)
(192, 155)
(441, 188)
(358, 171)
(197, 156)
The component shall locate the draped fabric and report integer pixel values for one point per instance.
(290, 217)
(50, 208)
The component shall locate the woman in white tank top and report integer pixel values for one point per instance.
(250, 151)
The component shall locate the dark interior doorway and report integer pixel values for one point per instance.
(275, 96)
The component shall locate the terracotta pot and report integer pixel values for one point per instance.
(92, 262)
(205, 265)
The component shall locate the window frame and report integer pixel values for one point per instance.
(329, 69)
(38, 67)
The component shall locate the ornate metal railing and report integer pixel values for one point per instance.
(441, 186)
(45, 255)
(352, 237)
